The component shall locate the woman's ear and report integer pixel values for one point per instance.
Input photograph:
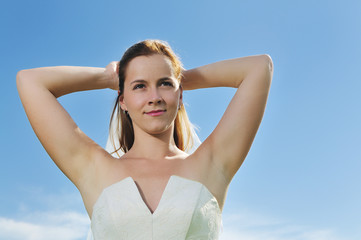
(122, 103)
(181, 95)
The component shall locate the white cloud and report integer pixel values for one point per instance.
(251, 226)
(45, 226)
(65, 224)
(75, 226)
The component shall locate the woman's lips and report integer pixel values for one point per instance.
(155, 113)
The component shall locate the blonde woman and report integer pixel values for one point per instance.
(155, 190)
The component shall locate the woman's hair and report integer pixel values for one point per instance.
(184, 134)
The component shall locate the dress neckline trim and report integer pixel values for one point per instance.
(162, 197)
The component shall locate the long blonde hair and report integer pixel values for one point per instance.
(184, 134)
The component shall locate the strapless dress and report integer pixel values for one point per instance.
(187, 210)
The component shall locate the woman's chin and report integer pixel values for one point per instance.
(157, 130)
(154, 127)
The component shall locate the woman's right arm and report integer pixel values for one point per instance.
(71, 150)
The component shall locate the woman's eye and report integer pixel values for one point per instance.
(138, 86)
(167, 84)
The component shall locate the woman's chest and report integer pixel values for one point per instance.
(151, 181)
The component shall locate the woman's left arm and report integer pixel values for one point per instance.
(228, 145)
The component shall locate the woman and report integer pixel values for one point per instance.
(155, 190)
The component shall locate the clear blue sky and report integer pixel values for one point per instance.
(301, 178)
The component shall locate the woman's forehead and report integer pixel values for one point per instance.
(153, 66)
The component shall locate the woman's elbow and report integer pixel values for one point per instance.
(21, 75)
(268, 62)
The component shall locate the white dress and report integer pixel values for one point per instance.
(187, 210)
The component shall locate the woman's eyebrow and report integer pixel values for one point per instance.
(159, 80)
(137, 81)
(167, 78)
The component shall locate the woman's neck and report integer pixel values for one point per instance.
(154, 146)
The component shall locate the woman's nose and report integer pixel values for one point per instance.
(155, 98)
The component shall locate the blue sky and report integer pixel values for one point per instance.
(301, 178)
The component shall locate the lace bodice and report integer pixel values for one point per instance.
(187, 210)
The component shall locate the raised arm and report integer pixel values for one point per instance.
(71, 150)
(228, 145)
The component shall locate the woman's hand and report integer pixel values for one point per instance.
(112, 72)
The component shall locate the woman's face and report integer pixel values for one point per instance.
(152, 93)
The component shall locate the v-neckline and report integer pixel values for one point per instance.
(161, 197)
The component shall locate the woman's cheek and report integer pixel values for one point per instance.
(137, 101)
